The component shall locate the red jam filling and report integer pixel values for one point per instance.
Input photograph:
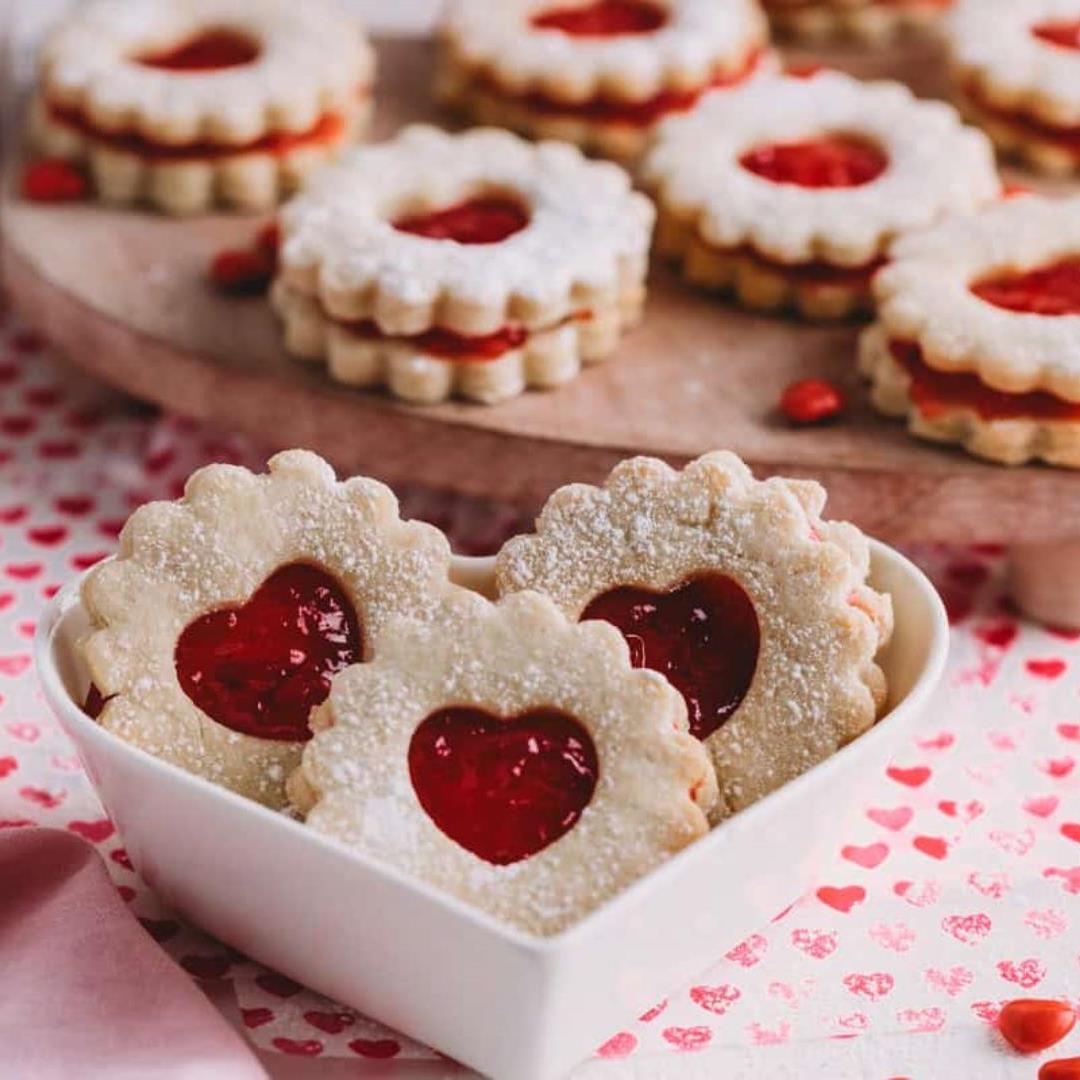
(702, 634)
(327, 130)
(1048, 290)
(935, 393)
(502, 788)
(487, 220)
(451, 346)
(642, 113)
(212, 50)
(832, 161)
(604, 18)
(260, 668)
(1065, 33)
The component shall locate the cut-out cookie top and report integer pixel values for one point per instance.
(1024, 55)
(811, 684)
(587, 233)
(510, 757)
(225, 71)
(993, 293)
(531, 45)
(702, 167)
(225, 614)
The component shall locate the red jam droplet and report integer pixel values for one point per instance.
(935, 393)
(833, 161)
(1049, 290)
(604, 18)
(703, 635)
(1034, 1024)
(1065, 33)
(260, 668)
(212, 50)
(503, 789)
(478, 221)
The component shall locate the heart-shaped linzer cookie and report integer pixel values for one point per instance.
(503, 788)
(702, 634)
(260, 668)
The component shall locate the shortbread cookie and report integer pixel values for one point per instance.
(509, 757)
(192, 103)
(866, 20)
(978, 333)
(600, 73)
(218, 626)
(756, 609)
(475, 264)
(788, 191)
(1016, 73)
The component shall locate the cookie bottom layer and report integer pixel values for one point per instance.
(815, 291)
(541, 359)
(1014, 440)
(248, 180)
(866, 20)
(471, 93)
(1038, 145)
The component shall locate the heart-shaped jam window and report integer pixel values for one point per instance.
(604, 18)
(503, 788)
(487, 220)
(831, 161)
(1065, 33)
(1049, 290)
(702, 634)
(260, 668)
(212, 50)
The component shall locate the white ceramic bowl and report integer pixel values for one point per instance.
(486, 994)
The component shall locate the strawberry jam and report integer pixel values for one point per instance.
(503, 789)
(604, 18)
(261, 667)
(935, 393)
(832, 161)
(212, 50)
(1048, 290)
(702, 634)
(1065, 33)
(476, 221)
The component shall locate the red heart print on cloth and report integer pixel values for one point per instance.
(873, 986)
(967, 929)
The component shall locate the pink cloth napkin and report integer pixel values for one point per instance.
(84, 990)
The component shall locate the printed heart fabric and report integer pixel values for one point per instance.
(955, 888)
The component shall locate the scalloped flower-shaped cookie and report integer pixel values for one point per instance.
(1016, 70)
(789, 190)
(755, 608)
(193, 102)
(978, 338)
(867, 20)
(477, 263)
(509, 757)
(218, 626)
(600, 73)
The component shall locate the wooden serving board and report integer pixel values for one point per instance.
(125, 294)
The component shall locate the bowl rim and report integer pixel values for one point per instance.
(72, 718)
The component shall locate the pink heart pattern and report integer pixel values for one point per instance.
(899, 933)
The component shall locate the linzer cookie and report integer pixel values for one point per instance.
(509, 757)
(787, 192)
(193, 103)
(869, 20)
(600, 73)
(755, 608)
(978, 333)
(220, 623)
(1016, 72)
(476, 264)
